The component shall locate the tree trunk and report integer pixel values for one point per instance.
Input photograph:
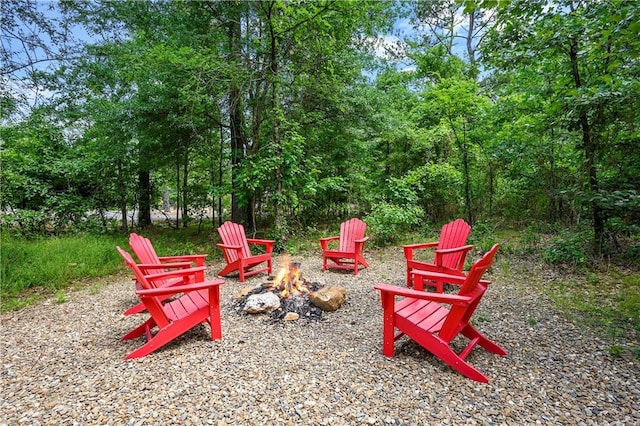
(280, 220)
(553, 181)
(467, 176)
(471, 52)
(123, 198)
(589, 148)
(144, 198)
(185, 195)
(236, 120)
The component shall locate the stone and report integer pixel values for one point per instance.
(329, 298)
(291, 316)
(243, 292)
(262, 303)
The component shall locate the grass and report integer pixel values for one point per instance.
(38, 267)
(31, 267)
(610, 299)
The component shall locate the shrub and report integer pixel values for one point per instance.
(387, 221)
(568, 249)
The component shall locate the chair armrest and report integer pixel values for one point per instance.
(146, 266)
(268, 244)
(177, 273)
(198, 258)
(179, 288)
(229, 247)
(463, 250)
(451, 299)
(324, 242)
(455, 249)
(438, 276)
(409, 248)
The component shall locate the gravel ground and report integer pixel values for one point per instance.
(63, 364)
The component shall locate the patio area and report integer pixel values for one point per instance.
(63, 363)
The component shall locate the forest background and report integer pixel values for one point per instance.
(291, 116)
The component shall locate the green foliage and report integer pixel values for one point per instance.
(54, 263)
(483, 236)
(615, 350)
(530, 240)
(24, 222)
(628, 298)
(61, 297)
(611, 301)
(387, 221)
(438, 188)
(567, 74)
(569, 248)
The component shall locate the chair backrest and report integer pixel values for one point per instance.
(143, 248)
(153, 304)
(233, 235)
(453, 234)
(459, 315)
(350, 231)
(128, 260)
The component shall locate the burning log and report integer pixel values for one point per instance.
(298, 298)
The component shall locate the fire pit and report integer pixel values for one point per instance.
(288, 296)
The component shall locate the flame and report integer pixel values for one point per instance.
(289, 280)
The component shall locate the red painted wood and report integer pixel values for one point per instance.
(449, 255)
(194, 303)
(237, 254)
(146, 254)
(350, 247)
(434, 320)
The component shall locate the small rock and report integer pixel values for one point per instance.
(291, 316)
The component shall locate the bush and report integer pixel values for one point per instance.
(568, 249)
(387, 221)
(483, 236)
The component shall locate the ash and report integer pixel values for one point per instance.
(300, 304)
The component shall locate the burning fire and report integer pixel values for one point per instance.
(289, 280)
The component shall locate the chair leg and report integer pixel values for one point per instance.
(214, 313)
(472, 334)
(443, 351)
(161, 338)
(140, 330)
(241, 272)
(388, 316)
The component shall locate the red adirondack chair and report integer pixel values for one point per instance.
(350, 250)
(450, 253)
(194, 303)
(235, 246)
(422, 317)
(148, 257)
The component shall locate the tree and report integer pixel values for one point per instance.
(587, 51)
(449, 23)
